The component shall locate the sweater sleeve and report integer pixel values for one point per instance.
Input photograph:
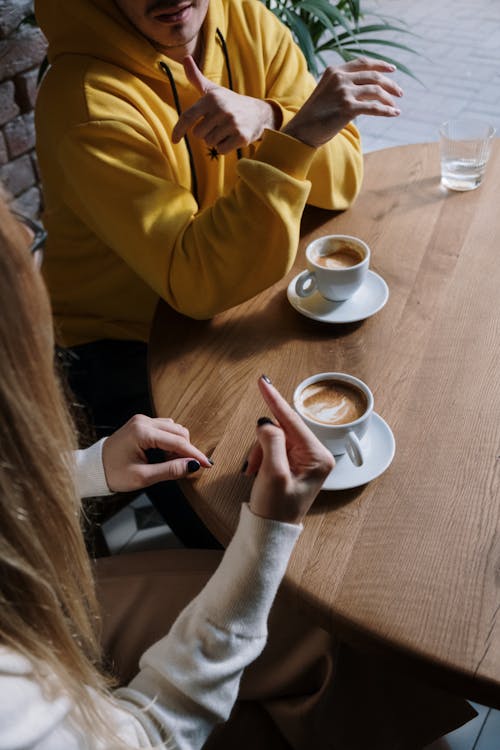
(189, 680)
(90, 478)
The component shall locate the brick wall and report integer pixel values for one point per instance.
(22, 48)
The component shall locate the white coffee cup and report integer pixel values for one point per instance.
(327, 397)
(334, 268)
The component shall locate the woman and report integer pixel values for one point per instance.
(52, 694)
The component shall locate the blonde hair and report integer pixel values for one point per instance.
(48, 609)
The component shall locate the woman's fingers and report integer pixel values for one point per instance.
(286, 416)
(169, 425)
(272, 441)
(307, 456)
(143, 474)
(177, 444)
(144, 433)
(253, 461)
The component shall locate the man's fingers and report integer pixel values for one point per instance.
(209, 128)
(364, 78)
(231, 144)
(201, 107)
(373, 93)
(368, 63)
(196, 77)
(188, 119)
(218, 132)
(375, 109)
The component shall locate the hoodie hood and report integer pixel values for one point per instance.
(97, 28)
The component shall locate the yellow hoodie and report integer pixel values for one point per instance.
(124, 225)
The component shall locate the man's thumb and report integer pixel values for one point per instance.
(195, 76)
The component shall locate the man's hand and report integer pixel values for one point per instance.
(223, 119)
(125, 463)
(358, 87)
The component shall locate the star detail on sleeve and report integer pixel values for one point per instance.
(213, 153)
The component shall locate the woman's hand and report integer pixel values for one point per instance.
(125, 462)
(290, 462)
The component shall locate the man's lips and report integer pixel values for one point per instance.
(169, 12)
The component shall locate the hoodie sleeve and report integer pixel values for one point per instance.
(120, 184)
(189, 681)
(336, 170)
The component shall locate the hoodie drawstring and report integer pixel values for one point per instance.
(223, 44)
(194, 179)
(164, 67)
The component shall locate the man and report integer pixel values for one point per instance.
(177, 155)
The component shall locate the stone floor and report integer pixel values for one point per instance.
(458, 67)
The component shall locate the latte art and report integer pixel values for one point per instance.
(344, 256)
(332, 402)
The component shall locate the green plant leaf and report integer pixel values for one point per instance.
(336, 16)
(377, 27)
(299, 28)
(352, 6)
(328, 25)
(320, 9)
(318, 18)
(386, 42)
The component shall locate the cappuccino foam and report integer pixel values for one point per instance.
(332, 402)
(344, 256)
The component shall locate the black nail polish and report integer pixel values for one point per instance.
(268, 380)
(193, 465)
(210, 462)
(244, 467)
(264, 420)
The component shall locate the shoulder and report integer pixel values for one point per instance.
(80, 88)
(29, 711)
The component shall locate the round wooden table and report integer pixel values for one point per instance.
(410, 561)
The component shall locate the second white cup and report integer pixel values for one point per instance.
(337, 267)
(337, 408)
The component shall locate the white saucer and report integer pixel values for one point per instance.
(380, 447)
(368, 300)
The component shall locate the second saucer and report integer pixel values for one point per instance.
(368, 300)
(380, 447)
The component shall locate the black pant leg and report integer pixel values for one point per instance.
(108, 384)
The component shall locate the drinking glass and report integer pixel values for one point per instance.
(465, 149)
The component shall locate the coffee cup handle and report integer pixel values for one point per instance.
(354, 450)
(305, 284)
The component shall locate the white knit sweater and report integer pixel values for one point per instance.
(189, 680)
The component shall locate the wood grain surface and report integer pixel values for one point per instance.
(411, 560)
